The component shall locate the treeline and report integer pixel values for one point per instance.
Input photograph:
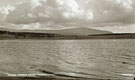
(114, 36)
(31, 35)
(35, 35)
(26, 34)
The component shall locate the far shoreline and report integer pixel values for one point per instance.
(7, 35)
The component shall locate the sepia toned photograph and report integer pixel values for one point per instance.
(67, 39)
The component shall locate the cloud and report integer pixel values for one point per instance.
(31, 26)
(67, 13)
(71, 9)
(124, 3)
(4, 11)
(36, 3)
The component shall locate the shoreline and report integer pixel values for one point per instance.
(52, 36)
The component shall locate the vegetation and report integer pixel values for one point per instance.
(34, 35)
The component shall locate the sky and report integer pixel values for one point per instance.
(117, 16)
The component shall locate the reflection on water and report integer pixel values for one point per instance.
(82, 58)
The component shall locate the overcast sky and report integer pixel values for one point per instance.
(111, 15)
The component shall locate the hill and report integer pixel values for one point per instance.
(73, 31)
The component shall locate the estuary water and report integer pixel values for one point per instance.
(99, 59)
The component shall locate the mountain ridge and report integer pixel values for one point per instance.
(71, 31)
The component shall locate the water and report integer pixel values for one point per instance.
(102, 59)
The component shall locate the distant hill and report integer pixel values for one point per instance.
(73, 31)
